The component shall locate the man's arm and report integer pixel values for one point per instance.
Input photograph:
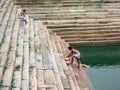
(71, 53)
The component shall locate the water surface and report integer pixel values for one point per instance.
(104, 72)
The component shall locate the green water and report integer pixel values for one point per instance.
(104, 72)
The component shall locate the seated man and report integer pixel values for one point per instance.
(75, 54)
(21, 16)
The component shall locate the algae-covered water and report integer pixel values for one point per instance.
(104, 72)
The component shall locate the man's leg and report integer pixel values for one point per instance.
(78, 61)
(72, 59)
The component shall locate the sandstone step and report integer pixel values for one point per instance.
(25, 71)
(32, 45)
(85, 28)
(15, 88)
(5, 88)
(72, 16)
(80, 21)
(57, 75)
(77, 12)
(33, 79)
(91, 39)
(1, 72)
(14, 36)
(37, 35)
(25, 85)
(17, 79)
(87, 1)
(89, 4)
(90, 35)
(4, 23)
(9, 27)
(70, 25)
(3, 9)
(20, 41)
(5, 47)
(102, 42)
(7, 77)
(2, 3)
(71, 77)
(59, 64)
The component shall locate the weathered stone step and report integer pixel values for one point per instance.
(59, 64)
(9, 27)
(2, 3)
(89, 4)
(88, 32)
(4, 23)
(80, 21)
(5, 47)
(102, 42)
(79, 11)
(85, 28)
(25, 54)
(71, 9)
(73, 16)
(65, 25)
(91, 39)
(92, 1)
(78, 24)
(7, 77)
(32, 45)
(48, 60)
(3, 10)
(83, 36)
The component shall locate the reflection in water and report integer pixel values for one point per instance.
(100, 55)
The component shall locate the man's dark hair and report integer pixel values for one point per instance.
(70, 48)
(24, 10)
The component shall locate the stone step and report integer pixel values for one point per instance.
(91, 39)
(68, 11)
(5, 47)
(4, 23)
(102, 42)
(90, 35)
(60, 25)
(47, 62)
(7, 35)
(25, 54)
(89, 4)
(79, 9)
(73, 16)
(73, 81)
(14, 36)
(59, 64)
(77, 12)
(87, 1)
(3, 9)
(32, 44)
(8, 74)
(79, 21)
(85, 28)
(2, 3)
(77, 24)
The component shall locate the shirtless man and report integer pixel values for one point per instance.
(74, 54)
